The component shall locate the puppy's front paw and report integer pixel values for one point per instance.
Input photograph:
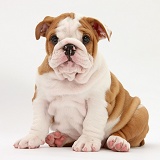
(86, 144)
(117, 143)
(31, 141)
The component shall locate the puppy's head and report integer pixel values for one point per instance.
(71, 43)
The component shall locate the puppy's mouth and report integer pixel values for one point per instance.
(70, 59)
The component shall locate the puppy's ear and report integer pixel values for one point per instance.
(43, 26)
(101, 30)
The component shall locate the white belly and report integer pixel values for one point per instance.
(69, 113)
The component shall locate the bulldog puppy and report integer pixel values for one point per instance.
(77, 96)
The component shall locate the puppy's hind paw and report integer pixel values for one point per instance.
(118, 144)
(58, 139)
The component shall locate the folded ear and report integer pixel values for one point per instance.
(101, 30)
(43, 26)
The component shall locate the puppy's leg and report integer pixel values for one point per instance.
(132, 134)
(58, 139)
(93, 126)
(39, 129)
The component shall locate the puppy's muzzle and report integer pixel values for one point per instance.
(69, 50)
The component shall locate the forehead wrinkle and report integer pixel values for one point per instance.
(69, 27)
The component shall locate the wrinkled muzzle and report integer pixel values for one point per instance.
(70, 58)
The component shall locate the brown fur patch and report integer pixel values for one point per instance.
(43, 26)
(44, 67)
(136, 129)
(87, 29)
(133, 124)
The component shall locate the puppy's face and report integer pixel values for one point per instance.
(71, 43)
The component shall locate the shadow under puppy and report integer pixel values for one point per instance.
(77, 96)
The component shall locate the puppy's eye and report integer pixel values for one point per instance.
(54, 39)
(85, 39)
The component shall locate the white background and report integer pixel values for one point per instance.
(133, 55)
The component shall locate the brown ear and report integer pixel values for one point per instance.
(101, 30)
(43, 26)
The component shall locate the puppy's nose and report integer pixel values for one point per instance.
(69, 50)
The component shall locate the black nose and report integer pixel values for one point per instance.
(69, 50)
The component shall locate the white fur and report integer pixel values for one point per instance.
(77, 104)
(39, 128)
(110, 125)
(140, 106)
(70, 100)
(81, 63)
(68, 28)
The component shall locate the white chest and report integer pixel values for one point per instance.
(69, 113)
(68, 101)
